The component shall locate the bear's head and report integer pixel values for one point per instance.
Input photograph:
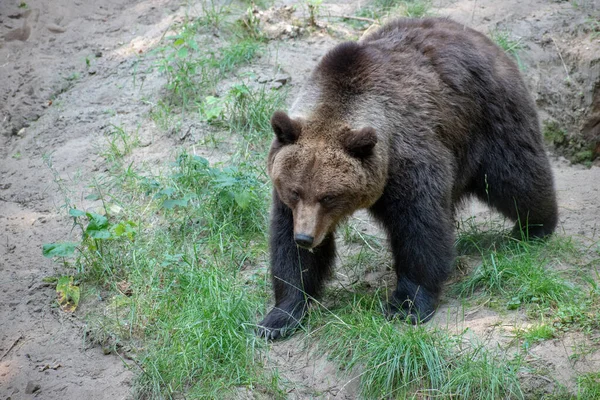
(324, 171)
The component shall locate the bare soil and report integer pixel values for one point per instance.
(69, 69)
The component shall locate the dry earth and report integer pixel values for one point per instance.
(55, 109)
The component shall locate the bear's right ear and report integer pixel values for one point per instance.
(360, 143)
(286, 129)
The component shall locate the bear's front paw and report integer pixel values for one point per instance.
(279, 323)
(411, 302)
(407, 312)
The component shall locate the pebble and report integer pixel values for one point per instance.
(32, 387)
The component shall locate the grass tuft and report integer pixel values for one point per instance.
(397, 360)
(521, 273)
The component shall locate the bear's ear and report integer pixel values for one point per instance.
(286, 129)
(360, 143)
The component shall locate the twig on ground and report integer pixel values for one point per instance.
(561, 58)
(11, 347)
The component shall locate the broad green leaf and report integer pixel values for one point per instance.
(170, 204)
(124, 228)
(67, 293)
(97, 227)
(167, 191)
(100, 234)
(64, 249)
(97, 221)
(242, 199)
(183, 52)
(73, 212)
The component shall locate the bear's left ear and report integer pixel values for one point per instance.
(286, 129)
(360, 143)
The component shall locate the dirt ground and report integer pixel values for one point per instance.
(67, 73)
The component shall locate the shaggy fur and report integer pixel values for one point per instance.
(406, 123)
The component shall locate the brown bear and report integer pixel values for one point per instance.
(405, 122)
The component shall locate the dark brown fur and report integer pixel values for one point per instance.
(406, 123)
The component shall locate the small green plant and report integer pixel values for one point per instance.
(245, 110)
(554, 134)
(314, 7)
(521, 274)
(23, 5)
(213, 14)
(510, 46)
(380, 9)
(535, 334)
(73, 77)
(593, 26)
(588, 386)
(120, 144)
(193, 63)
(250, 25)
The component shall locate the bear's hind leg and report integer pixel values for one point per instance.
(522, 189)
(298, 274)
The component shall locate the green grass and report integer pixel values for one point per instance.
(396, 360)
(179, 242)
(202, 337)
(522, 273)
(535, 334)
(381, 9)
(511, 46)
(193, 60)
(588, 386)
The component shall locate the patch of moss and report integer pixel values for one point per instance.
(584, 157)
(554, 134)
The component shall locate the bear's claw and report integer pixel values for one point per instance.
(278, 324)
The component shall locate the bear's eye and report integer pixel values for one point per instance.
(294, 195)
(326, 200)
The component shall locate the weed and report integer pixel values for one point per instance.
(508, 44)
(314, 7)
(553, 133)
(214, 13)
(588, 386)
(380, 9)
(61, 183)
(191, 69)
(246, 111)
(249, 111)
(536, 333)
(177, 286)
(395, 360)
(162, 114)
(593, 26)
(250, 25)
(582, 311)
(119, 144)
(521, 274)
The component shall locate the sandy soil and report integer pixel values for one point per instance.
(54, 111)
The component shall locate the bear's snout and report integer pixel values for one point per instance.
(308, 224)
(303, 240)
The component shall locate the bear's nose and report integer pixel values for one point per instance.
(303, 240)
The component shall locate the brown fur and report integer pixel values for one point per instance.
(405, 123)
